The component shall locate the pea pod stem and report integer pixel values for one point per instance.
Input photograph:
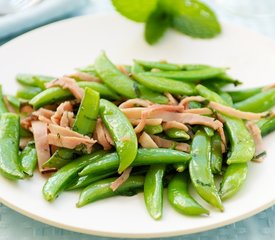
(153, 190)
(145, 156)
(200, 171)
(101, 190)
(121, 131)
(180, 199)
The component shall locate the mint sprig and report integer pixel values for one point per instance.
(190, 17)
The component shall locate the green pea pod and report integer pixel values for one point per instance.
(153, 190)
(3, 108)
(242, 144)
(163, 85)
(191, 75)
(122, 133)
(241, 95)
(64, 176)
(216, 154)
(164, 66)
(57, 94)
(178, 134)
(86, 180)
(121, 83)
(28, 159)
(234, 177)
(33, 80)
(14, 101)
(90, 69)
(145, 156)
(260, 102)
(85, 123)
(266, 125)
(209, 131)
(28, 92)
(101, 190)
(9, 146)
(137, 68)
(226, 97)
(24, 132)
(179, 197)
(200, 171)
(150, 129)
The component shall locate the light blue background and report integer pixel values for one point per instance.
(15, 226)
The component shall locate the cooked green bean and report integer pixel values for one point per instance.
(64, 176)
(28, 159)
(240, 95)
(101, 190)
(163, 85)
(137, 68)
(153, 190)
(200, 171)
(179, 197)
(234, 177)
(260, 102)
(150, 129)
(9, 146)
(121, 131)
(145, 156)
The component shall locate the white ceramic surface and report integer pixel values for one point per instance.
(59, 48)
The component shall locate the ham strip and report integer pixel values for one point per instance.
(165, 143)
(24, 142)
(257, 137)
(65, 106)
(44, 119)
(133, 113)
(134, 103)
(43, 112)
(121, 179)
(67, 119)
(100, 135)
(172, 100)
(185, 101)
(146, 141)
(62, 131)
(27, 121)
(71, 142)
(152, 122)
(26, 109)
(204, 111)
(67, 83)
(236, 113)
(174, 124)
(40, 132)
(84, 77)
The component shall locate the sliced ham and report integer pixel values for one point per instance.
(26, 109)
(135, 102)
(43, 112)
(257, 137)
(84, 77)
(67, 83)
(63, 131)
(101, 136)
(165, 143)
(236, 113)
(174, 124)
(121, 179)
(67, 119)
(63, 107)
(24, 142)
(171, 99)
(185, 101)
(133, 113)
(152, 122)
(203, 111)
(27, 121)
(146, 141)
(40, 131)
(71, 142)
(44, 119)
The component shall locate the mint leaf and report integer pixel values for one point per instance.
(192, 18)
(136, 10)
(155, 26)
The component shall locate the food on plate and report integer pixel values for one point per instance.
(111, 130)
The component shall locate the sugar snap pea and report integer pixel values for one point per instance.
(145, 156)
(242, 144)
(122, 84)
(28, 159)
(137, 68)
(209, 131)
(200, 171)
(153, 190)
(240, 95)
(121, 131)
(162, 85)
(266, 125)
(3, 107)
(33, 80)
(57, 94)
(178, 134)
(9, 146)
(234, 177)
(64, 176)
(216, 154)
(179, 197)
(150, 129)
(260, 102)
(192, 75)
(101, 190)
(28, 92)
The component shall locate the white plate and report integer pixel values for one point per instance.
(59, 48)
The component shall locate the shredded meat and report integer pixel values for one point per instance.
(204, 111)
(165, 143)
(102, 135)
(40, 132)
(63, 107)
(121, 179)
(236, 113)
(24, 142)
(67, 119)
(184, 102)
(134, 103)
(174, 124)
(43, 112)
(67, 83)
(146, 141)
(84, 77)
(172, 100)
(152, 122)
(26, 109)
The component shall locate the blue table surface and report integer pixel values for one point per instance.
(13, 225)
